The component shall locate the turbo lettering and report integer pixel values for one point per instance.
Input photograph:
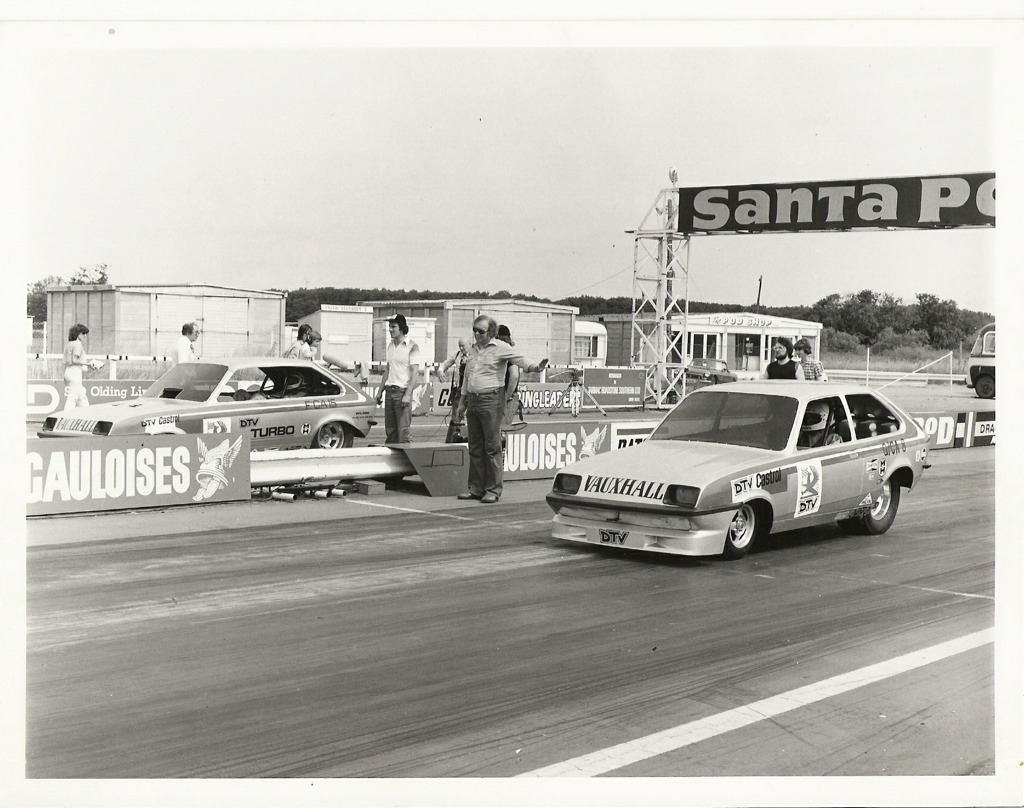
(273, 431)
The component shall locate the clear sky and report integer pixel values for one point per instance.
(479, 159)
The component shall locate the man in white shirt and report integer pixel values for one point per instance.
(185, 351)
(400, 377)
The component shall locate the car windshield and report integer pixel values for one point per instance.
(189, 381)
(738, 419)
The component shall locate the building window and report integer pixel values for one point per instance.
(585, 347)
(705, 346)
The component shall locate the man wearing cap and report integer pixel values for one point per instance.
(484, 394)
(400, 376)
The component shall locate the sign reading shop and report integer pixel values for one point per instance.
(78, 475)
(933, 202)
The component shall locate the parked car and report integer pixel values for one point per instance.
(981, 366)
(279, 403)
(732, 464)
(712, 371)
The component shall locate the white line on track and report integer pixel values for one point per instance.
(660, 743)
(416, 510)
(918, 588)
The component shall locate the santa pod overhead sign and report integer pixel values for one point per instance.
(932, 202)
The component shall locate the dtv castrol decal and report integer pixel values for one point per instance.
(78, 475)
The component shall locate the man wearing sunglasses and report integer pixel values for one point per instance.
(484, 394)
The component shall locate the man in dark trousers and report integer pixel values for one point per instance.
(484, 392)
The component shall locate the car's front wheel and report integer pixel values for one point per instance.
(985, 386)
(742, 530)
(334, 435)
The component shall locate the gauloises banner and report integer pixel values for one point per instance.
(78, 475)
(541, 448)
(956, 200)
(48, 397)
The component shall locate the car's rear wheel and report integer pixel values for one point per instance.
(742, 530)
(985, 386)
(881, 516)
(334, 435)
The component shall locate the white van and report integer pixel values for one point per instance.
(981, 366)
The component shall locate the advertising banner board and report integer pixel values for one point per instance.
(956, 430)
(80, 475)
(48, 397)
(932, 202)
(540, 449)
(610, 387)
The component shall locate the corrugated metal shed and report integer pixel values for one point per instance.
(540, 329)
(347, 331)
(146, 320)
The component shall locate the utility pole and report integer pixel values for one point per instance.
(759, 278)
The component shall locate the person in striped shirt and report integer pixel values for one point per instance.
(812, 368)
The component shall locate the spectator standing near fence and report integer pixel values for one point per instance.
(813, 371)
(399, 380)
(513, 406)
(783, 367)
(457, 365)
(300, 349)
(484, 393)
(75, 363)
(185, 350)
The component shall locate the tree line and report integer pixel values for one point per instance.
(861, 318)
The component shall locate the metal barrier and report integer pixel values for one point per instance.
(305, 466)
(443, 467)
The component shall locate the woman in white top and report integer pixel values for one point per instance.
(75, 362)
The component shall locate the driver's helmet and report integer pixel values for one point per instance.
(816, 417)
(292, 382)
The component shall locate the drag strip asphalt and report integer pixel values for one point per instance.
(408, 636)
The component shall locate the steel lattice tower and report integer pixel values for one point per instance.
(660, 261)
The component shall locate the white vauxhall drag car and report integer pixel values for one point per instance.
(736, 462)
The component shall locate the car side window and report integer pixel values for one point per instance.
(245, 383)
(824, 423)
(871, 417)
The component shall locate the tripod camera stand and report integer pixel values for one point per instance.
(574, 392)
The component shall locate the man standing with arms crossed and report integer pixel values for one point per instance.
(484, 393)
(399, 380)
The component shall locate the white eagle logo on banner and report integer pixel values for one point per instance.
(213, 467)
(593, 442)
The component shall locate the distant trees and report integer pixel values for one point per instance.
(851, 320)
(36, 302)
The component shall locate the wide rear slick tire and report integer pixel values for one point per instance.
(742, 532)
